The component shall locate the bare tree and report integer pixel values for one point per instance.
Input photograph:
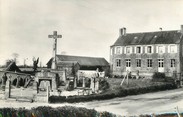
(15, 57)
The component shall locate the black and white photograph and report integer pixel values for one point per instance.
(91, 58)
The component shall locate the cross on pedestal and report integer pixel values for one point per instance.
(54, 36)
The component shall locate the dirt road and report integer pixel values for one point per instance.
(159, 102)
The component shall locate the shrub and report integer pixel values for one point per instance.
(103, 84)
(46, 111)
(157, 76)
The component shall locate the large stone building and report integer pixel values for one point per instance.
(147, 52)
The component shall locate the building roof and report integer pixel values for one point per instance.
(67, 63)
(12, 67)
(160, 37)
(84, 61)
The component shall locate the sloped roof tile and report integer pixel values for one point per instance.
(161, 37)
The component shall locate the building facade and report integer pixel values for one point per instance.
(147, 53)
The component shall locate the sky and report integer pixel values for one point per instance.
(88, 27)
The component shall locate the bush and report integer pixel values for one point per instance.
(103, 84)
(157, 76)
(43, 111)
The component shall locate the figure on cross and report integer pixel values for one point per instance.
(54, 36)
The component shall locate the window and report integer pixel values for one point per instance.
(149, 49)
(149, 62)
(172, 62)
(138, 61)
(128, 63)
(160, 49)
(128, 50)
(118, 50)
(160, 63)
(138, 49)
(173, 49)
(118, 62)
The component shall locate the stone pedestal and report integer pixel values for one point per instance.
(92, 85)
(83, 82)
(54, 84)
(8, 89)
(48, 93)
(75, 82)
(97, 86)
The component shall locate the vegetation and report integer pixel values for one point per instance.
(43, 111)
(135, 87)
(157, 76)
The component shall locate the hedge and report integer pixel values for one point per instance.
(46, 111)
(119, 92)
(66, 111)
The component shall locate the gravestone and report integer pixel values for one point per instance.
(75, 82)
(48, 93)
(83, 82)
(8, 89)
(97, 85)
(94, 84)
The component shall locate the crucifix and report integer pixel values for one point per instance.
(54, 36)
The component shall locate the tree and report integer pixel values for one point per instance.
(15, 57)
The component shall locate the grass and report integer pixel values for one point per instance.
(132, 83)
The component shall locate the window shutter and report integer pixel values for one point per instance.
(114, 50)
(152, 47)
(145, 49)
(168, 48)
(111, 51)
(125, 50)
(157, 49)
(164, 49)
(176, 48)
(135, 49)
(141, 49)
(120, 50)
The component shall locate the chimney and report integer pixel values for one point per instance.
(122, 31)
(181, 29)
